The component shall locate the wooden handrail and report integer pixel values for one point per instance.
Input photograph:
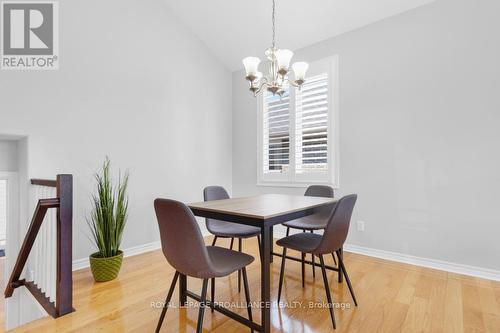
(44, 182)
(64, 281)
(29, 240)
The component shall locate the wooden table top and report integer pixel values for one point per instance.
(261, 207)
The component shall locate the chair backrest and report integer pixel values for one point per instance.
(319, 191)
(181, 239)
(213, 193)
(337, 228)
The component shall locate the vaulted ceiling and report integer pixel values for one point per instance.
(234, 29)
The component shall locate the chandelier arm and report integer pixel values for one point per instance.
(263, 81)
(262, 85)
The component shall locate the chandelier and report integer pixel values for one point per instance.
(279, 69)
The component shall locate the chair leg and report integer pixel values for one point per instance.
(240, 245)
(215, 240)
(169, 297)
(212, 291)
(313, 261)
(247, 294)
(287, 231)
(282, 273)
(313, 257)
(199, 327)
(260, 249)
(303, 269)
(327, 289)
(341, 262)
(334, 260)
(340, 254)
(232, 241)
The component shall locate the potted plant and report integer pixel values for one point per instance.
(107, 221)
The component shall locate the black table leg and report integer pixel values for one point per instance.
(266, 233)
(182, 290)
(271, 242)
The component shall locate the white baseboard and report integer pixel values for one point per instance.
(484, 273)
(131, 251)
(480, 272)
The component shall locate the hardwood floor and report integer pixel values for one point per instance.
(392, 297)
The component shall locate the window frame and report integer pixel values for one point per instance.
(290, 179)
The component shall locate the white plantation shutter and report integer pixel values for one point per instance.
(311, 126)
(298, 133)
(276, 130)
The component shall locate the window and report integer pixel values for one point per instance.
(298, 133)
(276, 127)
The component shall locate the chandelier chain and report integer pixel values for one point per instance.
(274, 24)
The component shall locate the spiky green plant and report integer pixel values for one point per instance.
(109, 212)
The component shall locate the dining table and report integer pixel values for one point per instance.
(263, 211)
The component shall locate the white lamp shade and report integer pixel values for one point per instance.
(300, 69)
(251, 65)
(283, 58)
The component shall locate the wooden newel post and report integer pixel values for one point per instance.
(64, 283)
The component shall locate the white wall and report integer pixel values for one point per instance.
(136, 85)
(8, 164)
(419, 119)
(8, 155)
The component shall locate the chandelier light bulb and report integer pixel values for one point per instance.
(283, 58)
(300, 68)
(251, 66)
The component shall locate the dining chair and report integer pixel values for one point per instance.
(331, 241)
(183, 246)
(313, 222)
(222, 229)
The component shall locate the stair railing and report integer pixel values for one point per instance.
(63, 203)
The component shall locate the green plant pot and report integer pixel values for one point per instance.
(105, 269)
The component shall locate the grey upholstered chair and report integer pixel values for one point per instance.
(316, 221)
(313, 222)
(331, 241)
(222, 229)
(184, 248)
